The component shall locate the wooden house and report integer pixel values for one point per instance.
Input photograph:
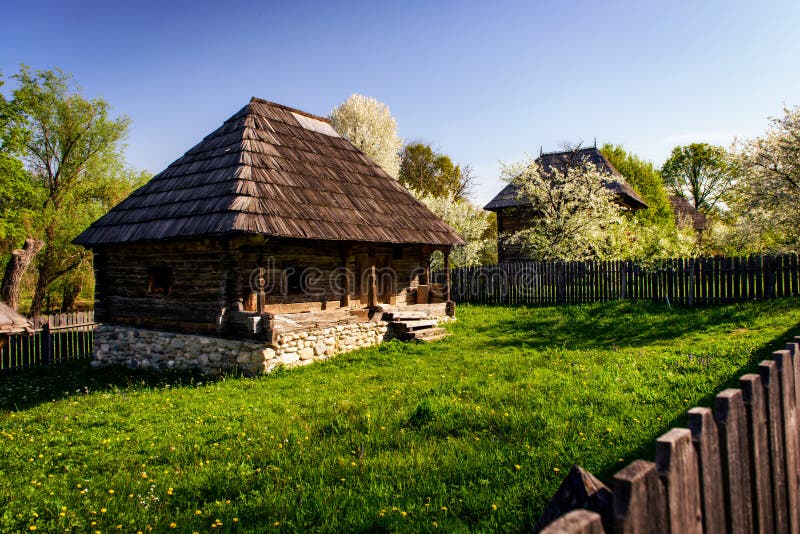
(685, 213)
(514, 213)
(270, 224)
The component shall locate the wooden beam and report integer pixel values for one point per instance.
(447, 274)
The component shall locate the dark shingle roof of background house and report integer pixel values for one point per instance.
(684, 211)
(276, 171)
(509, 196)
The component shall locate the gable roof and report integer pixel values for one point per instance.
(626, 195)
(684, 211)
(11, 322)
(276, 171)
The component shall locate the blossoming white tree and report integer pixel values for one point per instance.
(768, 194)
(574, 216)
(369, 125)
(471, 223)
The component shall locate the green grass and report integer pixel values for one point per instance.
(472, 433)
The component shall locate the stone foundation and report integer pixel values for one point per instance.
(152, 349)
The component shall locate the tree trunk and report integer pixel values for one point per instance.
(20, 259)
(39, 294)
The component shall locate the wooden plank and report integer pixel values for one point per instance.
(676, 462)
(770, 380)
(576, 522)
(706, 444)
(729, 413)
(640, 501)
(788, 409)
(758, 445)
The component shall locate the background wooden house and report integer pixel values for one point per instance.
(514, 214)
(272, 214)
(685, 213)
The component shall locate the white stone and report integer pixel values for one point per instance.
(306, 353)
(289, 357)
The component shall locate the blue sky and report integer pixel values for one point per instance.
(482, 81)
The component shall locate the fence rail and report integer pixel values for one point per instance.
(688, 281)
(735, 469)
(56, 339)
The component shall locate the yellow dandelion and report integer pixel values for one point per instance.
(494, 507)
(102, 510)
(556, 469)
(276, 524)
(403, 514)
(173, 525)
(198, 512)
(517, 467)
(235, 519)
(444, 508)
(32, 527)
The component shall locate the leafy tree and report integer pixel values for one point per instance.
(369, 125)
(430, 173)
(700, 173)
(71, 150)
(647, 181)
(574, 213)
(767, 197)
(476, 226)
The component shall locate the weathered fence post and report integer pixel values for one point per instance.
(576, 522)
(731, 421)
(768, 370)
(787, 388)
(706, 444)
(758, 442)
(676, 463)
(47, 343)
(640, 502)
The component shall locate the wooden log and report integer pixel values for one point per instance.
(729, 413)
(640, 502)
(676, 462)
(758, 444)
(576, 522)
(706, 444)
(789, 418)
(768, 371)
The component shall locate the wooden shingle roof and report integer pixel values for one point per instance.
(626, 195)
(274, 171)
(11, 322)
(686, 213)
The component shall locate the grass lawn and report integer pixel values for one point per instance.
(471, 433)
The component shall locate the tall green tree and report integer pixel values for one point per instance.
(71, 149)
(700, 173)
(433, 174)
(647, 180)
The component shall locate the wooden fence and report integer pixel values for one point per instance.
(688, 281)
(735, 469)
(56, 338)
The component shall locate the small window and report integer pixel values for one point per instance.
(295, 279)
(160, 280)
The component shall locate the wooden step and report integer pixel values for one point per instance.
(406, 316)
(424, 335)
(410, 326)
(431, 339)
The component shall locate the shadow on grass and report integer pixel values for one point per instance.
(647, 450)
(613, 324)
(26, 389)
